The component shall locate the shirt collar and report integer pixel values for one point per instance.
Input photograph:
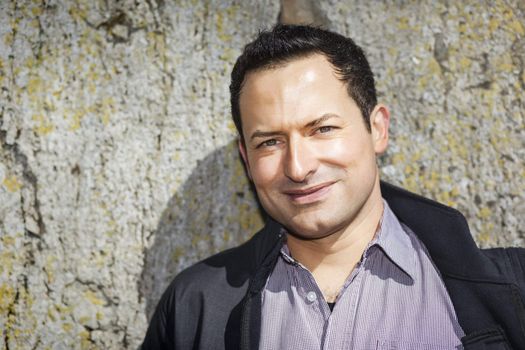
(395, 242)
(391, 238)
(285, 254)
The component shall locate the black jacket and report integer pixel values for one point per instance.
(216, 304)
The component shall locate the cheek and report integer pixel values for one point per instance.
(345, 151)
(265, 171)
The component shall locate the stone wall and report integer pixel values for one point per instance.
(453, 75)
(118, 161)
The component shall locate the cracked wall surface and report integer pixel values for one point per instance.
(453, 75)
(106, 108)
(118, 161)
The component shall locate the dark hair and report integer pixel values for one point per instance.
(284, 43)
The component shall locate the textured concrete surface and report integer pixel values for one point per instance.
(453, 75)
(118, 164)
(106, 109)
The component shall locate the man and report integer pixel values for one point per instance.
(345, 262)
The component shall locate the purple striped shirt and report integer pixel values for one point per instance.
(394, 299)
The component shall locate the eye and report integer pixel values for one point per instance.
(268, 143)
(325, 129)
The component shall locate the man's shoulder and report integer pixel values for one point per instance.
(511, 260)
(213, 269)
(445, 233)
(230, 268)
(211, 289)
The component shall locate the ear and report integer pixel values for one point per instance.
(244, 156)
(379, 123)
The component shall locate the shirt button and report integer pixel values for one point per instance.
(311, 296)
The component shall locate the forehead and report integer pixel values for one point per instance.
(308, 85)
(292, 94)
(304, 77)
(303, 68)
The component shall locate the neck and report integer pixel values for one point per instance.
(332, 258)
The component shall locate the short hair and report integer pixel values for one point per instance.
(284, 43)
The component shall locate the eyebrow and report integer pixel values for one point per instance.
(259, 133)
(321, 120)
(313, 123)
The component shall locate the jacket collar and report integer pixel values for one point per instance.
(445, 233)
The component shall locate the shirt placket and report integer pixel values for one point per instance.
(334, 329)
(314, 303)
(338, 330)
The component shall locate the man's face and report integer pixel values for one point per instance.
(307, 149)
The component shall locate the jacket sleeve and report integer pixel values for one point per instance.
(160, 333)
(517, 257)
(517, 262)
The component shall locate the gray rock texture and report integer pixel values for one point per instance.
(107, 108)
(118, 160)
(453, 75)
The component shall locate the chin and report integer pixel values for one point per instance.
(308, 231)
(309, 236)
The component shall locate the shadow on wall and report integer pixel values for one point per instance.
(213, 210)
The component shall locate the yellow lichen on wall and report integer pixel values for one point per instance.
(12, 184)
(7, 298)
(453, 77)
(19, 328)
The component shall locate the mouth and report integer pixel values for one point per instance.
(309, 195)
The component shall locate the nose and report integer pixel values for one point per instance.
(300, 161)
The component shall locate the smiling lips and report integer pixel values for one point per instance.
(309, 195)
